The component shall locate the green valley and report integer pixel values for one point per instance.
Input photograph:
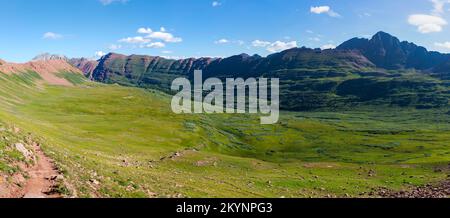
(114, 141)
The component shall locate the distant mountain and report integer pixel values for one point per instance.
(48, 56)
(381, 70)
(143, 71)
(388, 52)
(84, 64)
(51, 71)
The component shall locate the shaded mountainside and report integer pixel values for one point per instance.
(145, 71)
(381, 70)
(387, 51)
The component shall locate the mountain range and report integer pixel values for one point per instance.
(387, 51)
(380, 70)
(375, 127)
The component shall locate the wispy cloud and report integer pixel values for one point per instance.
(99, 54)
(324, 10)
(216, 3)
(114, 47)
(150, 38)
(222, 41)
(52, 36)
(228, 41)
(315, 39)
(444, 45)
(108, 2)
(433, 22)
(427, 23)
(328, 46)
(154, 45)
(135, 40)
(260, 43)
(162, 34)
(438, 6)
(276, 46)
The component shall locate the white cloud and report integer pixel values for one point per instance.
(150, 39)
(427, 23)
(108, 2)
(167, 37)
(227, 41)
(430, 23)
(52, 35)
(155, 45)
(316, 39)
(445, 45)
(328, 46)
(162, 34)
(174, 57)
(259, 43)
(167, 52)
(135, 40)
(145, 30)
(320, 9)
(280, 46)
(222, 41)
(114, 47)
(99, 54)
(274, 46)
(324, 10)
(216, 3)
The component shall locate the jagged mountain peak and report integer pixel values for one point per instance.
(48, 56)
(387, 51)
(383, 35)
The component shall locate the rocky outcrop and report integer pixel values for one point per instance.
(48, 56)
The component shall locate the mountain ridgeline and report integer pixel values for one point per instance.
(379, 71)
(386, 51)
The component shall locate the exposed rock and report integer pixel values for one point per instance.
(441, 190)
(94, 181)
(48, 56)
(25, 152)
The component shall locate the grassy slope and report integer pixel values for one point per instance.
(125, 142)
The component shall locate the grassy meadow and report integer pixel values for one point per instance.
(114, 141)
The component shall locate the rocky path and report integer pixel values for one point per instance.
(43, 176)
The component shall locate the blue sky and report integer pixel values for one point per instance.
(193, 28)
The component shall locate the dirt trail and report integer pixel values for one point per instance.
(43, 176)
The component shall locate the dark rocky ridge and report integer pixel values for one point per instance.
(386, 51)
(381, 70)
